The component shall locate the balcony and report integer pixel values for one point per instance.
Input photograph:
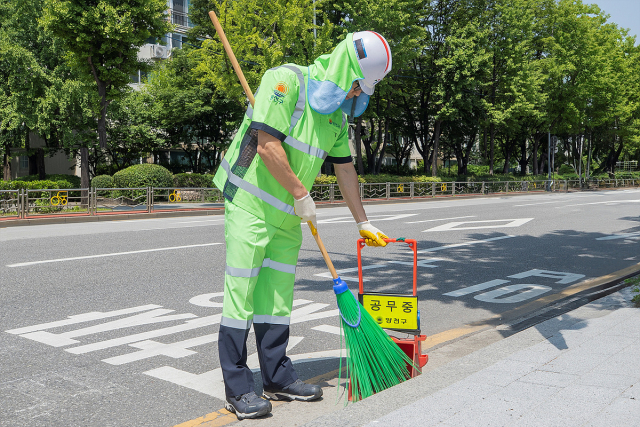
(181, 19)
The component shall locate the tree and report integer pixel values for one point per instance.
(203, 118)
(102, 39)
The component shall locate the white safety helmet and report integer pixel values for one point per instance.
(374, 56)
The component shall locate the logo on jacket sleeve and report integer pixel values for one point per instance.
(280, 90)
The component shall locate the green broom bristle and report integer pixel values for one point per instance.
(374, 361)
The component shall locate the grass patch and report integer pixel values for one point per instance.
(634, 282)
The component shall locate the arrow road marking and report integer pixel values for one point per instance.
(455, 225)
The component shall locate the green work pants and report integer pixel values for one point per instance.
(258, 289)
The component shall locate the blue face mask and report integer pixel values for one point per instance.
(326, 97)
(361, 102)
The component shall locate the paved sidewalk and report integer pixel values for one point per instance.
(579, 369)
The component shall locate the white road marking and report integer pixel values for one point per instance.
(351, 270)
(497, 295)
(620, 236)
(426, 262)
(115, 342)
(564, 278)
(81, 318)
(609, 202)
(458, 245)
(146, 318)
(440, 219)
(211, 382)
(540, 203)
(476, 288)
(25, 264)
(151, 348)
(374, 218)
(454, 226)
(327, 328)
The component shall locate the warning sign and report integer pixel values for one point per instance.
(392, 311)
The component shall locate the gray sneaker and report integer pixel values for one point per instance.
(249, 405)
(295, 391)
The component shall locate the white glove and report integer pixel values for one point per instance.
(305, 208)
(372, 236)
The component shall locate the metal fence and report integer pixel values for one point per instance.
(22, 204)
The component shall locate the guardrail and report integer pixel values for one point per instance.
(23, 204)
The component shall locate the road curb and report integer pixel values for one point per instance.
(541, 309)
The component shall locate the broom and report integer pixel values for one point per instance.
(374, 361)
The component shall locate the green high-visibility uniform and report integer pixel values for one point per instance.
(262, 232)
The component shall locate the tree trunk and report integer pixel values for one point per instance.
(580, 145)
(523, 157)
(436, 141)
(102, 92)
(84, 174)
(6, 164)
(42, 175)
(384, 135)
(483, 150)
(534, 154)
(492, 134)
(507, 157)
(589, 156)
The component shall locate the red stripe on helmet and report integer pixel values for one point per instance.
(386, 47)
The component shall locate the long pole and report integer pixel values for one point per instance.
(232, 57)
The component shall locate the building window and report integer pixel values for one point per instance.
(24, 162)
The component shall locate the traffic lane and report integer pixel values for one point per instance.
(193, 365)
(167, 266)
(548, 242)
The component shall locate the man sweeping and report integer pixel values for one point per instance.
(299, 121)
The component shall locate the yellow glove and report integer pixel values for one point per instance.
(372, 236)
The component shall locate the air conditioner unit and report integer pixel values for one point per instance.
(160, 52)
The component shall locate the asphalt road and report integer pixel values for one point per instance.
(114, 323)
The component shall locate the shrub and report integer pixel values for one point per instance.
(184, 180)
(34, 185)
(144, 175)
(72, 180)
(102, 181)
(566, 170)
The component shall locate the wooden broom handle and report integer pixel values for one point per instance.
(232, 57)
(247, 91)
(325, 255)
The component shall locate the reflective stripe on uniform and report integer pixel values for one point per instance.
(275, 265)
(272, 320)
(242, 272)
(254, 272)
(299, 110)
(305, 148)
(257, 192)
(235, 323)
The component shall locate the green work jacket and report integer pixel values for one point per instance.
(308, 138)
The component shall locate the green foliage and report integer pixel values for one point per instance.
(102, 40)
(566, 169)
(634, 282)
(74, 181)
(35, 185)
(102, 181)
(193, 180)
(144, 175)
(203, 117)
